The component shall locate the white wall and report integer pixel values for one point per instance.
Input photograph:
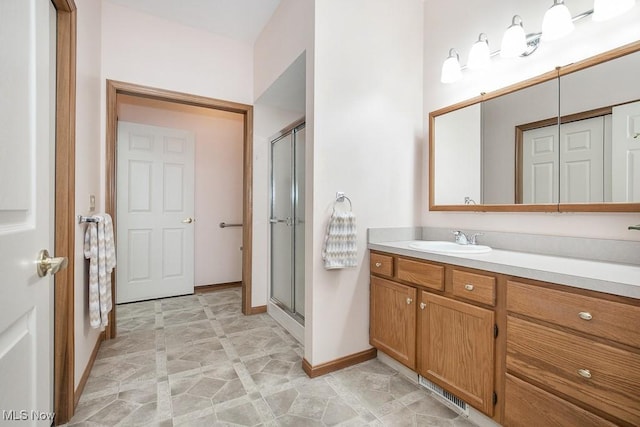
(367, 142)
(88, 161)
(287, 35)
(218, 180)
(457, 23)
(143, 49)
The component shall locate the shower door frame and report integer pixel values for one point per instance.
(291, 129)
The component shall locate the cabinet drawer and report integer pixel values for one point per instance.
(475, 287)
(421, 273)
(596, 374)
(527, 405)
(607, 319)
(381, 264)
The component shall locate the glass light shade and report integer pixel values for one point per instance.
(514, 40)
(451, 68)
(557, 21)
(479, 55)
(607, 9)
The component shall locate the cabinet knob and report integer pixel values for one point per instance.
(468, 287)
(585, 315)
(585, 373)
(422, 306)
(378, 264)
(409, 301)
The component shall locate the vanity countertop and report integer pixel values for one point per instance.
(609, 277)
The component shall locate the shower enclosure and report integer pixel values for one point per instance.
(287, 220)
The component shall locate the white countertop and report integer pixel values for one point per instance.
(612, 278)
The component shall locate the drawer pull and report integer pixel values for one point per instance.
(409, 301)
(378, 264)
(422, 306)
(585, 373)
(468, 287)
(585, 315)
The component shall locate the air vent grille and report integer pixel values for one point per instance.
(456, 403)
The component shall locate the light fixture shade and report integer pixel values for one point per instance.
(557, 21)
(514, 40)
(479, 55)
(607, 9)
(451, 68)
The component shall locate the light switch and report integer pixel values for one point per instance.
(92, 203)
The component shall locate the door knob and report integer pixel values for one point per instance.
(47, 264)
(188, 220)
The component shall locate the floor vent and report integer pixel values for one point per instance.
(456, 403)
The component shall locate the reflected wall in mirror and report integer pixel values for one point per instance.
(501, 117)
(459, 141)
(567, 140)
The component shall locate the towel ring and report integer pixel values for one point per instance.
(340, 198)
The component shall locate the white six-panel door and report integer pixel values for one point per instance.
(625, 156)
(540, 165)
(155, 209)
(581, 161)
(27, 138)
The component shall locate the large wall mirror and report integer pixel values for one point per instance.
(568, 140)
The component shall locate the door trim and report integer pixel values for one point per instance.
(64, 341)
(115, 88)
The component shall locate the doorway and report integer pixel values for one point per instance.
(287, 220)
(115, 89)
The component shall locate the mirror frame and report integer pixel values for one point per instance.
(550, 207)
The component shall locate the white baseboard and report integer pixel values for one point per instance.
(286, 321)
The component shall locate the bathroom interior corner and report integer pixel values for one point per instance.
(535, 156)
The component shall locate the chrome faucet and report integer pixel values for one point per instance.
(463, 239)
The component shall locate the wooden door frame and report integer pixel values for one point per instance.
(115, 88)
(65, 137)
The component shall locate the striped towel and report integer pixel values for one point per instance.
(99, 249)
(340, 248)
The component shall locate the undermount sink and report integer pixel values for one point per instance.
(442, 247)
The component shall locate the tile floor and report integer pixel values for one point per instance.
(197, 361)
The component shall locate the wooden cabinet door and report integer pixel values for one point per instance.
(456, 348)
(393, 320)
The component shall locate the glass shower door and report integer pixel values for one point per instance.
(281, 221)
(287, 221)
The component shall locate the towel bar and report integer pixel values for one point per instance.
(82, 219)
(225, 225)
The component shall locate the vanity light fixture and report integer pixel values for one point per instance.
(514, 40)
(607, 9)
(479, 55)
(557, 21)
(451, 68)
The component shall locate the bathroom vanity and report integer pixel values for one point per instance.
(526, 339)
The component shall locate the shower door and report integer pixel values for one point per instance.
(287, 225)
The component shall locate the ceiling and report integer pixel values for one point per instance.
(241, 20)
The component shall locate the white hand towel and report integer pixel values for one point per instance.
(340, 248)
(100, 250)
(91, 253)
